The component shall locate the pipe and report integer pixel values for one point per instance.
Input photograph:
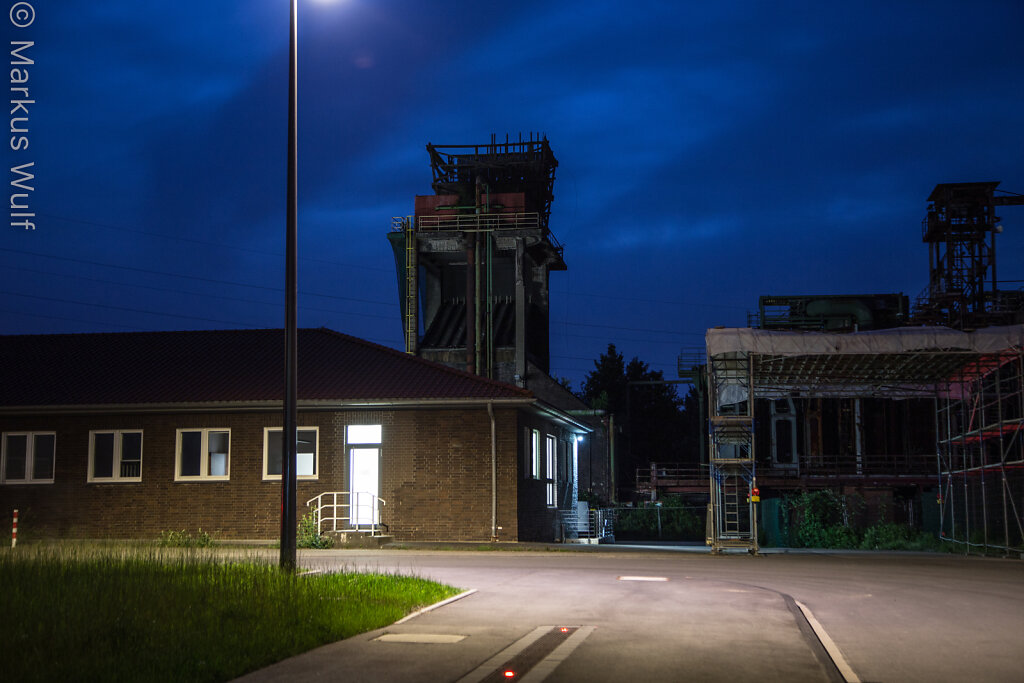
(494, 474)
(478, 307)
(520, 277)
(470, 303)
(611, 455)
(831, 308)
(473, 293)
(858, 438)
(489, 298)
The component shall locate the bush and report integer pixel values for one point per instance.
(823, 520)
(309, 536)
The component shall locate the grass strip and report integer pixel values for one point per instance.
(189, 616)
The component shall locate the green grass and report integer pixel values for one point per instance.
(134, 615)
(183, 539)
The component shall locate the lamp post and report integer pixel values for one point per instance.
(289, 436)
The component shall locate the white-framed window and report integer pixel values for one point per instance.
(549, 468)
(115, 455)
(202, 455)
(307, 448)
(27, 457)
(535, 454)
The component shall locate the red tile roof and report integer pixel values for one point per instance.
(222, 365)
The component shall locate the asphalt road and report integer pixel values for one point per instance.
(671, 616)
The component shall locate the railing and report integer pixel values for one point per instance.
(650, 478)
(831, 465)
(362, 515)
(470, 222)
(867, 465)
(588, 525)
(476, 222)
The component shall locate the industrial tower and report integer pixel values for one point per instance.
(473, 261)
(960, 230)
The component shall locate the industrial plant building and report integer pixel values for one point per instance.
(918, 407)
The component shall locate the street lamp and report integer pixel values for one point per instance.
(289, 437)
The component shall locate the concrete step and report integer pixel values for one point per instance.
(353, 539)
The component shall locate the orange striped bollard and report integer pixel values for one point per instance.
(14, 530)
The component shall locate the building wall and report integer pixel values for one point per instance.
(539, 521)
(435, 476)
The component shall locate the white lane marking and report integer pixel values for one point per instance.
(643, 578)
(430, 608)
(833, 650)
(485, 669)
(439, 638)
(547, 665)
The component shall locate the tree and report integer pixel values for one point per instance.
(604, 387)
(650, 415)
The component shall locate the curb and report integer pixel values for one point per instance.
(430, 608)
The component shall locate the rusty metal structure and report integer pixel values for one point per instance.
(474, 259)
(960, 230)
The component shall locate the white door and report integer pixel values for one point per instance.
(364, 485)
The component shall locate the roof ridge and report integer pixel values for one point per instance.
(147, 332)
(407, 357)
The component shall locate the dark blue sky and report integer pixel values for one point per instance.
(708, 153)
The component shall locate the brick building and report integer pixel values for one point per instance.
(129, 434)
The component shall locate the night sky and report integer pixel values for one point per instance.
(708, 153)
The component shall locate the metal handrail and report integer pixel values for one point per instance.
(470, 222)
(348, 525)
(824, 465)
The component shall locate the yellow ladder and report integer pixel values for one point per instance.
(411, 304)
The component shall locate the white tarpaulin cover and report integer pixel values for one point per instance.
(897, 340)
(899, 362)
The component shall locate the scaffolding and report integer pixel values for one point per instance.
(732, 516)
(975, 380)
(981, 454)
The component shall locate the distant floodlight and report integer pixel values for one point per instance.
(998, 228)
